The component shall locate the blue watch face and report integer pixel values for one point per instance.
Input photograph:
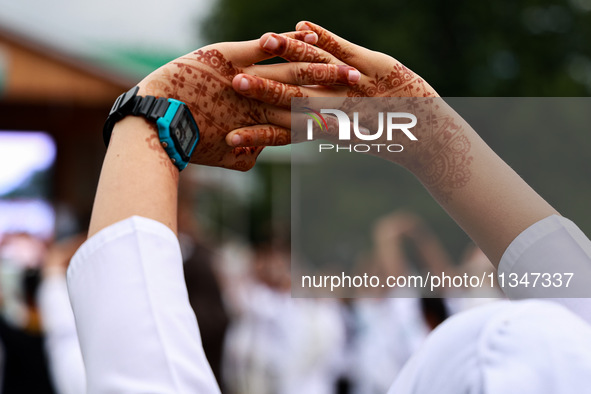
(184, 132)
(178, 133)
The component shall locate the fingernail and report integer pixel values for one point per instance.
(363, 130)
(304, 26)
(354, 75)
(236, 140)
(311, 38)
(244, 84)
(271, 43)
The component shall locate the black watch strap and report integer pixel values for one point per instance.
(130, 103)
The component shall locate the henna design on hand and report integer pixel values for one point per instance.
(441, 157)
(387, 76)
(323, 74)
(274, 93)
(203, 82)
(216, 60)
(297, 51)
(401, 82)
(265, 136)
(446, 161)
(330, 45)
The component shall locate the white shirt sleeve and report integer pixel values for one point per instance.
(525, 347)
(136, 329)
(550, 250)
(529, 346)
(61, 341)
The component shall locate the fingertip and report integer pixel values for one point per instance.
(244, 84)
(271, 43)
(311, 38)
(264, 38)
(234, 140)
(363, 130)
(241, 82)
(303, 25)
(353, 76)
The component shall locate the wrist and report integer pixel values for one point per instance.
(137, 178)
(136, 139)
(442, 145)
(176, 129)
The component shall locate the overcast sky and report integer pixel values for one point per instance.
(78, 24)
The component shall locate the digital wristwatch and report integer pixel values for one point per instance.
(177, 129)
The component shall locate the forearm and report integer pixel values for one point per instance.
(137, 178)
(479, 190)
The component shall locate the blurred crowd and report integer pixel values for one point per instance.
(257, 338)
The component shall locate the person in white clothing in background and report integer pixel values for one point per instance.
(66, 366)
(278, 344)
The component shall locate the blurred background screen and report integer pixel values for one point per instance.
(26, 163)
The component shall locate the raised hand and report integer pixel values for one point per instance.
(203, 80)
(380, 74)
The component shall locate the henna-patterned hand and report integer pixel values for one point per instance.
(203, 80)
(380, 75)
(441, 157)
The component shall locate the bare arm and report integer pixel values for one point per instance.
(137, 178)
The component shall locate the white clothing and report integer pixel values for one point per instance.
(553, 245)
(390, 331)
(66, 367)
(283, 345)
(137, 331)
(529, 346)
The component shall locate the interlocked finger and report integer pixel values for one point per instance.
(307, 36)
(266, 90)
(259, 135)
(245, 53)
(295, 50)
(340, 48)
(307, 73)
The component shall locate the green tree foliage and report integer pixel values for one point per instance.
(462, 47)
